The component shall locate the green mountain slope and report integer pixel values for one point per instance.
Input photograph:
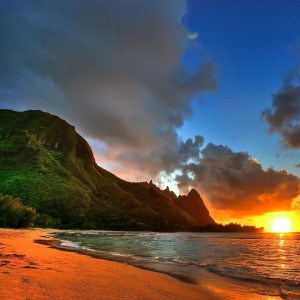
(47, 164)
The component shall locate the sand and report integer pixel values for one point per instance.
(29, 270)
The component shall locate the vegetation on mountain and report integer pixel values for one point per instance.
(51, 168)
(14, 214)
(231, 227)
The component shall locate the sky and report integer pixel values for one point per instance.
(201, 94)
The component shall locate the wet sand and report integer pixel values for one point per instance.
(30, 270)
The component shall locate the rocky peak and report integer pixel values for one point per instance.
(194, 206)
(193, 194)
(170, 193)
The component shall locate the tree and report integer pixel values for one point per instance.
(14, 214)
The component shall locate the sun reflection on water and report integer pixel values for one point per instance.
(282, 251)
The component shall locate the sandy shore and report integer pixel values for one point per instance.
(33, 271)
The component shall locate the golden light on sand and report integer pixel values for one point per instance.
(282, 224)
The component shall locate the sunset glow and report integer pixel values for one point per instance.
(282, 225)
(271, 221)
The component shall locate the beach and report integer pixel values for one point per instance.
(30, 270)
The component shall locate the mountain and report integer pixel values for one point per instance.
(194, 206)
(51, 168)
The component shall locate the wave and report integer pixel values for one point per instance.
(262, 259)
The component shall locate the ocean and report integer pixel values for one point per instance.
(265, 263)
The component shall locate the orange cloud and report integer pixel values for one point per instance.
(236, 183)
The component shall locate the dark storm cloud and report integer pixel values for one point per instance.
(235, 182)
(191, 149)
(284, 116)
(108, 67)
(175, 154)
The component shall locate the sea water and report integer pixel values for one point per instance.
(268, 263)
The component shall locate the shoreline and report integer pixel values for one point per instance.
(30, 270)
(55, 244)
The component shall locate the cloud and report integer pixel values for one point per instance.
(284, 116)
(236, 183)
(112, 68)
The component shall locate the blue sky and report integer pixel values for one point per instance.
(254, 44)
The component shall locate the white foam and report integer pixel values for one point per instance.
(70, 244)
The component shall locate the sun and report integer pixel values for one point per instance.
(282, 224)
